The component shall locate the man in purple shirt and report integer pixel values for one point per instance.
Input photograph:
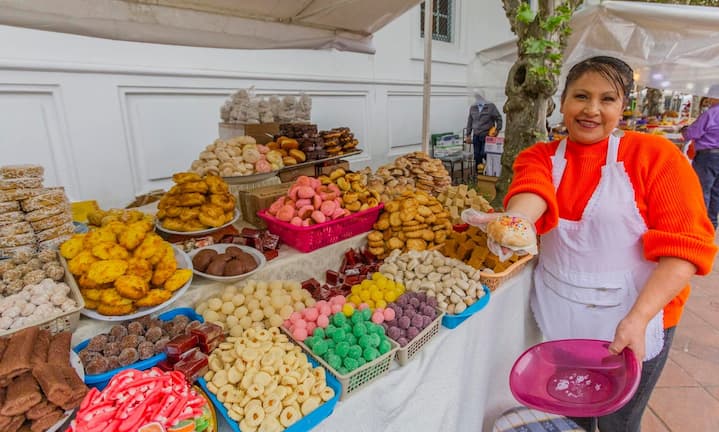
(705, 133)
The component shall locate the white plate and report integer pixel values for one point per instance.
(251, 178)
(183, 262)
(220, 248)
(201, 232)
(77, 365)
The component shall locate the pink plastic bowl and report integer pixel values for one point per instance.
(574, 377)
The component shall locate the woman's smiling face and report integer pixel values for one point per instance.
(592, 108)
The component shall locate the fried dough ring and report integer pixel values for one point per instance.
(216, 185)
(132, 287)
(225, 201)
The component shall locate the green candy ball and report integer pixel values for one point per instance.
(319, 332)
(367, 314)
(361, 362)
(343, 370)
(384, 346)
(355, 352)
(329, 331)
(310, 342)
(342, 349)
(347, 328)
(330, 343)
(320, 347)
(357, 317)
(351, 339)
(374, 340)
(359, 329)
(370, 354)
(338, 336)
(334, 361)
(350, 363)
(364, 341)
(339, 319)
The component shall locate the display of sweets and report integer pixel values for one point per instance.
(308, 139)
(134, 399)
(350, 342)
(99, 218)
(257, 303)
(458, 198)
(339, 141)
(309, 202)
(413, 221)
(408, 316)
(376, 292)
(356, 266)
(354, 194)
(301, 324)
(470, 246)
(265, 381)
(196, 203)
(31, 216)
(130, 342)
(416, 169)
(453, 283)
(237, 156)
(37, 382)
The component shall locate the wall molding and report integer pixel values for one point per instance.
(59, 142)
(90, 68)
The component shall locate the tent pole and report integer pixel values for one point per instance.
(427, 89)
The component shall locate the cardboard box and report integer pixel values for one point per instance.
(257, 131)
(327, 170)
(289, 174)
(259, 199)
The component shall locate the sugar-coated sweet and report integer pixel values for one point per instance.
(389, 314)
(320, 347)
(377, 317)
(339, 319)
(311, 327)
(348, 309)
(336, 308)
(394, 332)
(300, 323)
(404, 322)
(300, 333)
(323, 321)
(338, 299)
(417, 321)
(412, 332)
(310, 314)
(384, 346)
(355, 351)
(363, 306)
(402, 341)
(325, 309)
(295, 316)
(350, 363)
(370, 354)
(359, 329)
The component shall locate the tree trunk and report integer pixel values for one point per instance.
(654, 102)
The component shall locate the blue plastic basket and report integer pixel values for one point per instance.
(305, 423)
(99, 381)
(452, 321)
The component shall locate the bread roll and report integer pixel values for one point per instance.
(512, 232)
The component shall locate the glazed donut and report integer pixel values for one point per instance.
(224, 201)
(298, 155)
(185, 177)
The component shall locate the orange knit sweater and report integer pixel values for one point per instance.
(668, 195)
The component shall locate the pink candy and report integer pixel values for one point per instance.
(295, 316)
(287, 324)
(299, 333)
(338, 299)
(323, 321)
(325, 309)
(389, 314)
(377, 317)
(310, 314)
(363, 306)
(311, 327)
(300, 323)
(336, 308)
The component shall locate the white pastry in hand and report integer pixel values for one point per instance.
(512, 232)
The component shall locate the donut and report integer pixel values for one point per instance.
(298, 155)
(224, 201)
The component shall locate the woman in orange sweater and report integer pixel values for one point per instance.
(623, 229)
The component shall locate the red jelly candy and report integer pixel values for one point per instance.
(181, 344)
(193, 367)
(332, 277)
(206, 332)
(271, 254)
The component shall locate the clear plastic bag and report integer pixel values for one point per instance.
(481, 220)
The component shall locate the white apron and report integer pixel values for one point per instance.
(590, 271)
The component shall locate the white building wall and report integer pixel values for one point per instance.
(111, 120)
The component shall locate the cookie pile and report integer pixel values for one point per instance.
(196, 203)
(415, 169)
(31, 216)
(413, 221)
(339, 140)
(238, 156)
(458, 198)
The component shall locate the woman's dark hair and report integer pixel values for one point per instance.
(612, 69)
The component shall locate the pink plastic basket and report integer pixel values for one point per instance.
(307, 239)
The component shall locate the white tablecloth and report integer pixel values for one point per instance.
(458, 383)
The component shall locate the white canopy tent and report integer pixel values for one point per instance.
(673, 47)
(345, 25)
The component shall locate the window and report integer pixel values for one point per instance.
(442, 28)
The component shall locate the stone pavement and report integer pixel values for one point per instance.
(686, 398)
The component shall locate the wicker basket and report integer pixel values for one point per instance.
(67, 321)
(407, 353)
(359, 377)
(494, 280)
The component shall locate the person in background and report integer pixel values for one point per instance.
(705, 133)
(623, 230)
(484, 120)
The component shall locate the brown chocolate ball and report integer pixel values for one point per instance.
(216, 268)
(202, 259)
(234, 251)
(235, 267)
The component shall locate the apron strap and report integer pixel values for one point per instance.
(559, 163)
(613, 148)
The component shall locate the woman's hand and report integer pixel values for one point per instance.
(630, 334)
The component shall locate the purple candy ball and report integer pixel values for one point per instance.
(422, 297)
(404, 322)
(402, 341)
(432, 301)
(414, 302)
(394, 333)
(426, 310)
(427, 321)
(409, 312)
(402, 301)
(412, 333)
(417, 321)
